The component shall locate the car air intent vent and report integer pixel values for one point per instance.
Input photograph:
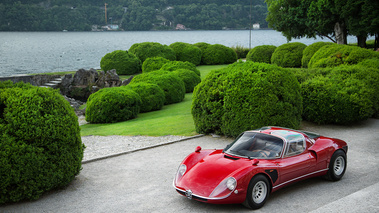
(230, 157)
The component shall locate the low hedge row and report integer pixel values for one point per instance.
(40, 143)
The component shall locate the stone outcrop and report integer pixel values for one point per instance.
(85, 82)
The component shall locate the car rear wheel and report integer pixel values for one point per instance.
(337, 166)
(257, 192)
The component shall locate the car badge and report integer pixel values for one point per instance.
(189, 194)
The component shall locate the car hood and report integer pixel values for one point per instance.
(207, 173)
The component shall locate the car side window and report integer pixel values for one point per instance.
(295, 147)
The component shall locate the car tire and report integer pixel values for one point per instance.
(337, 166)
(257, 192)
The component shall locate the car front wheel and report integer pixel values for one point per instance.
(337, 166)
(257, 192)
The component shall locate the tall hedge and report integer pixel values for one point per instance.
(114, 104)
(245, 96)
(336, 55)
(175, 65)
(261, 54)
(152, 96)
(170, 83)
(187, 52)
(40, 143)
(152, 64)
(124, 62)
(146, 50)
(310, 50)
(218, 54)
(288, 55)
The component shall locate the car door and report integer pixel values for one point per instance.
(295, 162)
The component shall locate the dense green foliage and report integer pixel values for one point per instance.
(124, 62)
(335, 55)
(58, 15)
(187, 52)
(241, 51)
(218, 54)
(113, 104)
(310, 50)
(261, 54)
(152, 64)
(190, 78)
(333, 19)
(246, 96)
(341, 95)
(146, 50)
(175, 65)
(170, 83)
(40, 143)
(152, 96)
(288, 55)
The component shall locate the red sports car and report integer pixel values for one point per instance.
(257, 163)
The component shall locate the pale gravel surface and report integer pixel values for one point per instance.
(102, 146)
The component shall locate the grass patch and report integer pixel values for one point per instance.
(173, 119)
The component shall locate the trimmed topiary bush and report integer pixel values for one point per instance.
(171, 84)
(146, 50)
(152, 64)
(187, 52)
(336, 55)
(371, 63)
(336, 100)
(124, 62)
(175, 65)
(310, 51)
(190, 79)
(40, 143)
(288, 55)
(246, 96)
(218, 54)
(114, 104)
(261, 54)
(152, 96)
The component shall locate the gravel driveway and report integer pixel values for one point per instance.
(141, 181)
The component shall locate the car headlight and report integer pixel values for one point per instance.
(225, 188)
(181, 170)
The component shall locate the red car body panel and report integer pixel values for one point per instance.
(206, 169)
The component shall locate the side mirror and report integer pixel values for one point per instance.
(198, 149)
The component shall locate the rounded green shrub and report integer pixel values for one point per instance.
(146, 50)
(261, 54)
(246, 96)
(371, 63)
(175, 65)
(171, 84)
(187, 52)
(152, 96)
(336, 55)
(152, 64)
(288, 55)
(190, 79)
(310, 50)
(218, 54)
(40, 143)
(114, 104)
(124, 62)
(336, 100)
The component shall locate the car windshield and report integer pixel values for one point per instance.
(256, 145)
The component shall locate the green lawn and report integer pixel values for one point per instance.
(173, 119)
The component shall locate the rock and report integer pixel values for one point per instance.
(127, 81)
(85, 77)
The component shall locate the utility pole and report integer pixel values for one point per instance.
(250, 27)
(106, 20)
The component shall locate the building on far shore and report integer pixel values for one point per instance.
(256, 26)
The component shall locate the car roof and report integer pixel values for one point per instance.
(271, 129)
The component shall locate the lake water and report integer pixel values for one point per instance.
(39, 52)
